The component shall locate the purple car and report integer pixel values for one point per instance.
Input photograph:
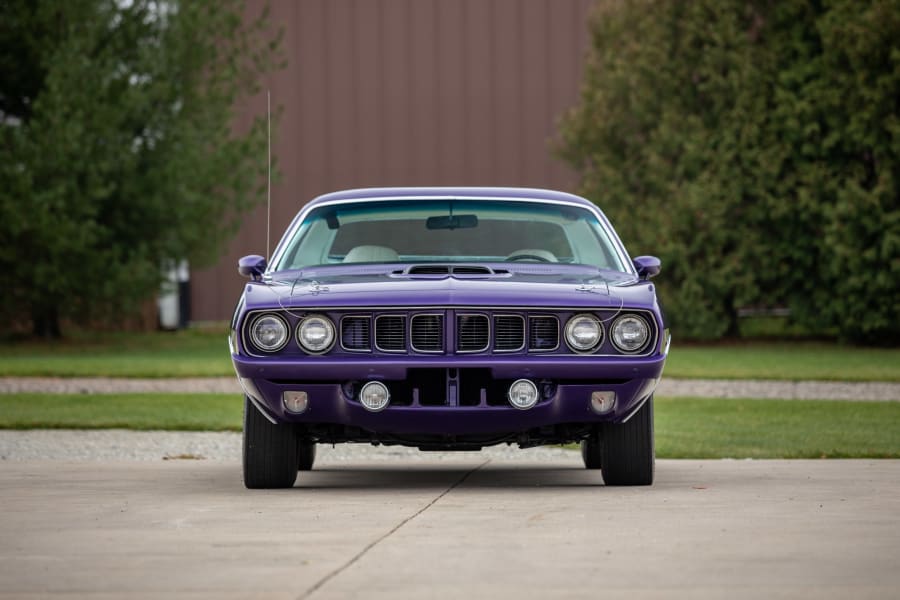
(449, 319)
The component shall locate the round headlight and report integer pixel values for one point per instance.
(583, 333)
(269, 333)
(630, 333)
(523, 394)
(315, 334)
(374, 396)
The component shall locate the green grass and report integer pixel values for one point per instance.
(205, 354)
(685, 428)
(188, 353)
(784, 360)
(716, 428)
(193, 412)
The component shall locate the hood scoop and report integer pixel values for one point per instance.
(438, 270)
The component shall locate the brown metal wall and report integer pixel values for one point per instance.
(409, 92)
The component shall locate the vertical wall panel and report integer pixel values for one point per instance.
(478, 77)
(506, 142)
(369, 96)
(536, 119)
(422, 96)
(408, 92)
(451, 106)
(396, 60)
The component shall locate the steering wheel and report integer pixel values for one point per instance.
(517, 257)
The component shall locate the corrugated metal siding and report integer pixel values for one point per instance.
(409, 92)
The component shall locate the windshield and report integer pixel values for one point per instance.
(413, 231)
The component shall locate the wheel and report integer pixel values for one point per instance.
(627, 452)
(270, 451)
(590, 452)
(306, 455)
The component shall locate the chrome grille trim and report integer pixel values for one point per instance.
(426, 332)
(543, 330)
(364, 325)
(390, 333)
(473, 332)
(509, 333)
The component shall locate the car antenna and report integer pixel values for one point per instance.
(268, 172)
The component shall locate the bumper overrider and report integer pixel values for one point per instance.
(449, 395)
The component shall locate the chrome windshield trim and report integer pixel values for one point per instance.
(301, 216)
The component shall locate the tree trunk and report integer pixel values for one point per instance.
(46, 323)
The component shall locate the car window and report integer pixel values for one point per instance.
(449, 231)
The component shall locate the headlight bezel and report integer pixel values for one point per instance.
(570, 326)
(648, 334)
(329, 326)
(255, 343)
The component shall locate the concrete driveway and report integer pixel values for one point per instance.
(457, 527)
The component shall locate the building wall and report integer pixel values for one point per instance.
(409, 92)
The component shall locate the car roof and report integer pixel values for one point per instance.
(450, 192)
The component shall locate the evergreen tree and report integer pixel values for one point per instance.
(117, 146)
(754, 146)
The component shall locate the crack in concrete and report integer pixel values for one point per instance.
(356, 558)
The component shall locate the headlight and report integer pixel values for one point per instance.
(315, 334)
(630, 333)
(584, 333)
(269, 333)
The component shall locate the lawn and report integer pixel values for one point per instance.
(685, 428)
(191, 412)
(784, 360)
(194, 353)
(189, 353)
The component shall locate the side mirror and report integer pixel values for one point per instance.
(647, 266)
(252, 266)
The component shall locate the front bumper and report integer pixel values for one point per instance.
(573, 380)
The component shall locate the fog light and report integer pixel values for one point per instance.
(523, 394)
(374, 396)
(602, 402)
(295, 402)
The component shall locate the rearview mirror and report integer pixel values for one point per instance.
(452, 222)
(252, 266)
(647, 266)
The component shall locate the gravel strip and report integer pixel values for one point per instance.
(705, 388)
(123, 445)
(784, 390)
(110, 385)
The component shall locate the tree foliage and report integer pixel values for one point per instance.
(118, 150)
(755, 147)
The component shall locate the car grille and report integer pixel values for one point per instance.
(356, 333)
(473, 333)
(543, 333)
(474, 330)
(390, 333)
(509, 333)
(427, 333)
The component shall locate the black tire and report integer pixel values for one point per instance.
(270, 451)
(306, 455)
(590, 453)
(627, 454)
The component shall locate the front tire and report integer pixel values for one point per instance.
(627, 453)
(306, 456)
(270, 451)
(590, 452)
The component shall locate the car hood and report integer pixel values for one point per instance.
(537, 286)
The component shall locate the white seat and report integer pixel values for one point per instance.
(526, 252)
(361, 254)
